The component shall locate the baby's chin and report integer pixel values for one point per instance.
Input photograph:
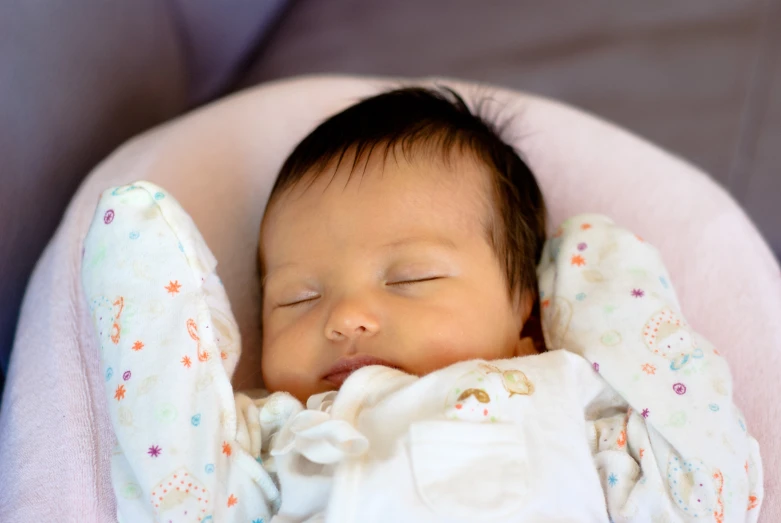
(298, 388)
(303, 393)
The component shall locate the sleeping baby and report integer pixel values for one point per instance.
(405, 275)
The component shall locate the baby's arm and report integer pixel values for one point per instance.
(607, 296)
(168, 345)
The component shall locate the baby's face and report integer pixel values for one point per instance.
(391, 266)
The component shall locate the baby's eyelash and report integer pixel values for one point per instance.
(410, 282)
(298, 302)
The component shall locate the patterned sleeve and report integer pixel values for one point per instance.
(606, 295)
(168, 346)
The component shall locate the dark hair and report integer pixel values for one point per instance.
(410, 117)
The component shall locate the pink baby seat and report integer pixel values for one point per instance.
(220, 163)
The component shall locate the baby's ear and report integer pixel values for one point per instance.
(525, 305)
(525, 347)
(532, 327)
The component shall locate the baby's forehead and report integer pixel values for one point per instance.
(420, 164)
(381, 191)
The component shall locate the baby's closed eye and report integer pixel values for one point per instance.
(298, 300)
(309, 297)
(411, 281)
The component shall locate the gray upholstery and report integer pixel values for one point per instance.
(80, 77)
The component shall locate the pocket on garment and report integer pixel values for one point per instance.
(474, 471)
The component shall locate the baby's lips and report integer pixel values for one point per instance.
(345, 366)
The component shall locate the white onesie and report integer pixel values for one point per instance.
(628, 417)
(501, 441)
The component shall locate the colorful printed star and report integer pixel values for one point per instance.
(259, 520)
(186, 361)
(585, 226)
(232, 500)
(645, 413)
(577, 260)
(612, 479)
(154, 451)
(137, 346)
(546, 304)
(638, 293)
(642, 451)
(223, 355)
(119, 394)
(173, 287)
(648, 368)
(226, 448)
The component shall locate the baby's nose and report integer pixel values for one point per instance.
(350, 319)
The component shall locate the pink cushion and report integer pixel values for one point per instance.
(220, 162)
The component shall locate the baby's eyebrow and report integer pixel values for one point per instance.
(276, 269)
(436, 241)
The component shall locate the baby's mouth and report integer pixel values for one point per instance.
(344, 367)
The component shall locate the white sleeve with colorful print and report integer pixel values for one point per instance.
(185, 450)
(681, 452)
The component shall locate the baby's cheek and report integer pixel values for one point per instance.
(292, 371)
(453, 333)
(443, 348)
(424, 338)
(289, 359)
